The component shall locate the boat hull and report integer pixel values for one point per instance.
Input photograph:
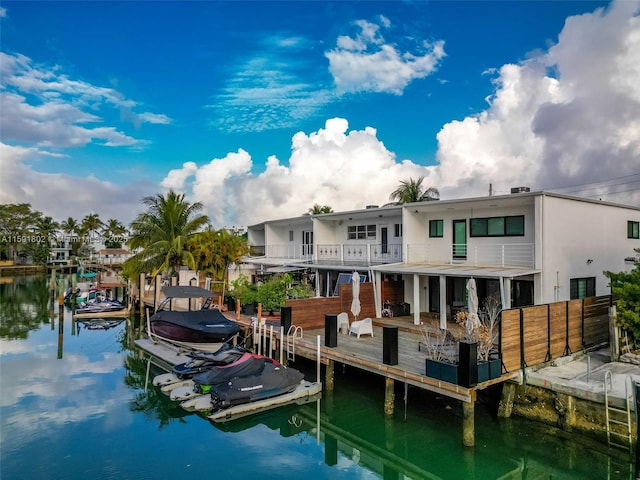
(200, 326)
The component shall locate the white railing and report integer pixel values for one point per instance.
(501, 254)
(360, 252)
(296, 252)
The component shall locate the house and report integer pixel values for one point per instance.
(112, 256)
(527, 248)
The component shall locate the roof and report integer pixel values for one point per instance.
(455, 270)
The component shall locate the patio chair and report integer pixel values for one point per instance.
(362, 327)
(343, 321)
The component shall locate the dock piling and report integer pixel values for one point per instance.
(389, 396)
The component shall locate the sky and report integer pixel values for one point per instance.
(260, 110)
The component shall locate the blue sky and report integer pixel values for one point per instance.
(262, 109)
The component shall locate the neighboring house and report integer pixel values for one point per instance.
(527, 248)
(61, 247)
(112, 256)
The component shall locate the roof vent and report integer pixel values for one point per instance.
(371, 206)
(520, 189)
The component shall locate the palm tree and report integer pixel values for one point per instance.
(318, 209)
(114, 232)
(410, 191)
(92, 223)
(69, 226)
(161, 234)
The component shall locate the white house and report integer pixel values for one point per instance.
(527, 247)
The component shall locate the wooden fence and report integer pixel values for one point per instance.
(533, 335)
(309, 313)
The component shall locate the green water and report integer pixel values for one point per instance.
(77, 403)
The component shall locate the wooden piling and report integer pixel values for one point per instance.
(468, 424)
(329, 375)
(389, 395)
(156, 292)
(505, 407)
(141, 290)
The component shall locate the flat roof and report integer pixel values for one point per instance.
(455, 270)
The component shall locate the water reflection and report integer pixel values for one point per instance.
(71, 391)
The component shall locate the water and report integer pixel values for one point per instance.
(77, 404)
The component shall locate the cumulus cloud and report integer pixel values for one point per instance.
(42, 106)
(563, 120)
(333, 166)
(365, 63)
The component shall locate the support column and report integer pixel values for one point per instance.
(468, 423)
(141, 289)
(156, 292)
(389, 396)
(329, 376)
(416, 299)
(443, 302)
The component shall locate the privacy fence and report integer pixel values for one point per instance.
(533, 335)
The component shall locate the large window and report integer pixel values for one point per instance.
(511, 226)
(633, 229)
(582, 287)
(436, 228)
(361, 232)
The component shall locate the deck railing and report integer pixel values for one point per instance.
(497, 254)
(294, 252)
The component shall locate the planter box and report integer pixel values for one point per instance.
(495, 367)
(447, 372)
(483, 371)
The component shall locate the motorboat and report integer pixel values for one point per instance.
(205, 329)
(100, 306)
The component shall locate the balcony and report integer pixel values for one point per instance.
(359, 252)
(294, 252)
(497, 254)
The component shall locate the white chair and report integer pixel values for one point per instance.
(343, 321)
(362, 327)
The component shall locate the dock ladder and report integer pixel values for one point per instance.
(293, 333)
(618, 415)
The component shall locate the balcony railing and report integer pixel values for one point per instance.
(498, 254)
(294, 252)
(359, 252)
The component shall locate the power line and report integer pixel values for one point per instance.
(591, 183)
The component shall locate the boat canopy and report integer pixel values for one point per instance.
(186, 291)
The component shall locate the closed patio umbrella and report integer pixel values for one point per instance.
(472, 306)
(355, 303)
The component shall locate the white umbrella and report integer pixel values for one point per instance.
(472, 306)
(355, 303)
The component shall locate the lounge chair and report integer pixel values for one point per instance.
(362, 327)
(343, 321)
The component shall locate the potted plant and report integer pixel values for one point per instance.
(487, 335)
(245, 291)
(440, 349)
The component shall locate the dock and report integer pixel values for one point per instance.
(124, 313)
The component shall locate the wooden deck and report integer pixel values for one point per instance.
(366, 353)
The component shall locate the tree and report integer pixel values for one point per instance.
(114, 233)
(625, 288)
(216, 250)
(46, 229)
(92, 223)
(161, 234)
(318, 209)
(71, 228)
(410, 191)
(18, 223)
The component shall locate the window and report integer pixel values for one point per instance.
(512, 226)
(291, 235)
(397, 230)
(633, 229)
(361, 232)
(436, 228)
(582, 287)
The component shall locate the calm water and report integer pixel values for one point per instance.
(75, 405)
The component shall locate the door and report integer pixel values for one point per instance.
(460, 239)
(434, 294)
(307, 244)
(384, 239)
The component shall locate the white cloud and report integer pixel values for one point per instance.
(46, 108)
(566, 117)
(364, 63)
